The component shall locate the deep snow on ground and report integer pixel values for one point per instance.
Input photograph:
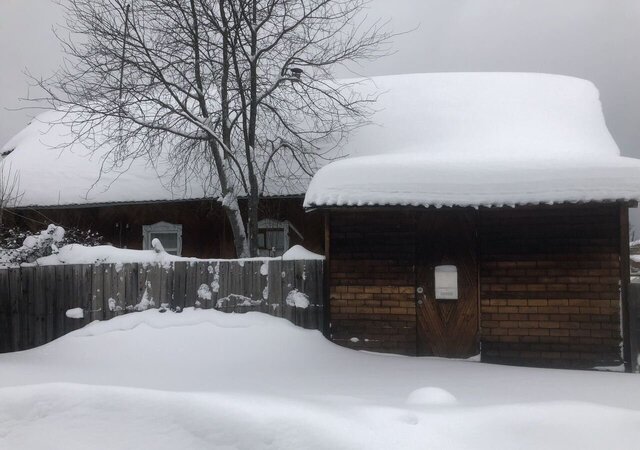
(209, 380)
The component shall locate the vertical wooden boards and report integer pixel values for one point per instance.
(274, 281)
(39, 308)
(288, 285)
(69, 297)
(260, 291)
(58, 304)
(191, 285)
(108, 300)
(50, 301)
(200, 284)
(26, 308)
(34, 300)
(224, 280)
(625, 275)
(179, 284)
(97, 293)
(130, 274)
(15, 287)
(634, 325)
(5, 312)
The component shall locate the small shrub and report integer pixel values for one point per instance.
(19, 246)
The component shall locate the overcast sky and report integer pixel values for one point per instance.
(594, 39)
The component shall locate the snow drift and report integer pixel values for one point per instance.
(208, 380)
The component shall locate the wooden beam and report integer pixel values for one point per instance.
(624, 285)
(326, 312)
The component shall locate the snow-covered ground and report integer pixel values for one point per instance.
(206, 380)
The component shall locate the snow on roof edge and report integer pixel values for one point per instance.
(331, 206)
(144, 202)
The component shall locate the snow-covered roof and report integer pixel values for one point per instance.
(463, 139)
(56, 168)
(480, 139)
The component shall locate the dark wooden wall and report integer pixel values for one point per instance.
(549, 280)
(372, 282)
(205, 230)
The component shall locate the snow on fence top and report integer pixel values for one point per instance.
(480, 139)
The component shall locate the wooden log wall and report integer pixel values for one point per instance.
(34, 300)
(550, 286)
(372, 281)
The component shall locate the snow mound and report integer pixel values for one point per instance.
(431, 396)
(298, 252)
(203, 379)
(153, 318)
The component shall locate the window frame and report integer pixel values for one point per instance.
(162, 227)
(283, 226)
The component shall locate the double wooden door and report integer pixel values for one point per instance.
(447, 284)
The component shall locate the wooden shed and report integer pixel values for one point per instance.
(494, 224)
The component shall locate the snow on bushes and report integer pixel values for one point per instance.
(34, 246)
(18, 246)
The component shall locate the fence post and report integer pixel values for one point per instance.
(634, 322)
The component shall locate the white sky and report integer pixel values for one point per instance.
(593, 39)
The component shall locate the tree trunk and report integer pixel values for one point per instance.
(234, 216)
(253, 202)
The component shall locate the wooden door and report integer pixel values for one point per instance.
(447, 327)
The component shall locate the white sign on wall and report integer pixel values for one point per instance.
(446, 282)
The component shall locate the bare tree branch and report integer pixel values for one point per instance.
(243, 90)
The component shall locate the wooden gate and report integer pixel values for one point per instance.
(447, 309)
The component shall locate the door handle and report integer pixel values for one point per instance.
(420, 292)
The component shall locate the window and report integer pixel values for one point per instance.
(446, 282)
(274, 237)
(170, 235)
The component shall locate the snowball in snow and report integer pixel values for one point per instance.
(355, 340)
(431, 396)
(297, 299)
(75, 313)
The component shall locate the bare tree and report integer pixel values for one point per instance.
(243, 90)
(10, 192)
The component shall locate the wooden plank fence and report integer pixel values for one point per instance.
(34, 300)
(634, 322)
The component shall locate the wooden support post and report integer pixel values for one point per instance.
(326, 288)
(624, 285)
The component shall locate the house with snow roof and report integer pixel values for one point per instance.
(478, 213)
